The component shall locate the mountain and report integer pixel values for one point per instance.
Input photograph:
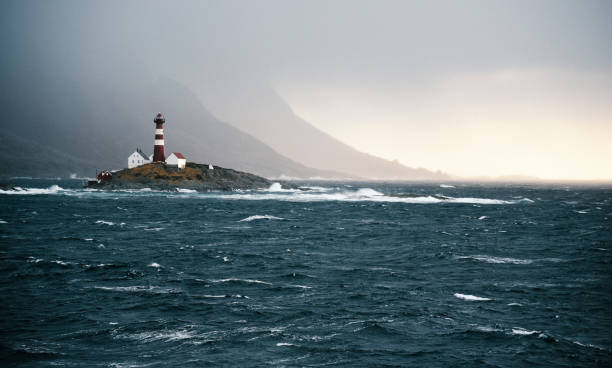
(255, 108)
(59, 122)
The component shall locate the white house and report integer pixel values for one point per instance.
(138, 158)
(177, 159)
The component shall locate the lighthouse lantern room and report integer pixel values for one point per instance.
(158, 149)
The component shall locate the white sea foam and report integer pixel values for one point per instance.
(3, 222)
(110, 223)
(260, 217)
(479, 201)
(284, 344)
(446, 186)
(492, 259)
(161, 335)
(180, 190)
(213, 296)
(129, 365)
(482, 217)
(54, 189)
(471, 297)
(277, 187)
(155, 264)
(275, 192)
(515, 305)
(523, 332)
(588, 345)
(487, 329)
(249, 281)
(139, 289)
(316, 188)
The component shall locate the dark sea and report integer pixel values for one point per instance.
(334, 274)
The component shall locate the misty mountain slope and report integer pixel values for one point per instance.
(256, 109)
(66, 123)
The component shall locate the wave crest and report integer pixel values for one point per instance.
(472, 298)
(260, 217)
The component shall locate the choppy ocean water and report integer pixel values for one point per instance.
(337, 274)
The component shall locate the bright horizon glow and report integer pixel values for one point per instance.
(551, 124)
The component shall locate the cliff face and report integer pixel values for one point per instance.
(195, 176)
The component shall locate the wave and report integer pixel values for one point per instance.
(109, 223)
(446, 186)
(181, 190)
(140, 289)
(54, 189)
(360, 195)
(298, 286)
(523, 332)
(487, 329)
(512, 331)
(471, 298)
(157, 336)
(588, 345)
(316, 188)
(275, 192)
(492, 259)
(260, 217)
(277, 187)
(248, 281)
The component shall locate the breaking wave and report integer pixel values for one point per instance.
(181, 190)
(260, 217)
(54, 189)
(236, 280)
(471, 298)
(275, 192)
(523, 332)
(140, 289)
(491, 259)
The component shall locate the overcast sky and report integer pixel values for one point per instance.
(468, 87)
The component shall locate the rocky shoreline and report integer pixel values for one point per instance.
(160, 176)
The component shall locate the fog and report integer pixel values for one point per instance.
(471, 88)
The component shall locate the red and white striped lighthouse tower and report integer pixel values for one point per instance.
(158, 149)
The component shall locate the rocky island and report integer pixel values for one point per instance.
(161, 176)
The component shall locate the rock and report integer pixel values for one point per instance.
(194, 176)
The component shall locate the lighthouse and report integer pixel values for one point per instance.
(158, 149)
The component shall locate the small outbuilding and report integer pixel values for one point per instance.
(138, 158)
(176, 159)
